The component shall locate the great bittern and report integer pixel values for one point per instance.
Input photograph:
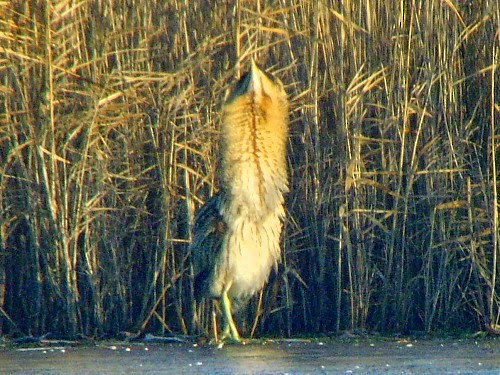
(236, 234)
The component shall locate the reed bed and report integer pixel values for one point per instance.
(109, 121)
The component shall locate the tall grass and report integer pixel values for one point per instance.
(109, 125)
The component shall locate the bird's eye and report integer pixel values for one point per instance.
(240, 88)
(243, 81)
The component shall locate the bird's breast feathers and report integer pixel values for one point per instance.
(255, 135)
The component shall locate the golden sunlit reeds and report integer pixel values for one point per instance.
(108, 143)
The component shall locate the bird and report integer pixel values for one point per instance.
(236, 233)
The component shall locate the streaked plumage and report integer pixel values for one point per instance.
(236, 233)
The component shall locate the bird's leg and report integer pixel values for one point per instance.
(230, 329)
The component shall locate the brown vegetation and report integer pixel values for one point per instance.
(108, 143)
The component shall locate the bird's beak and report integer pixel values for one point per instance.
(255, 83)
(254, 67)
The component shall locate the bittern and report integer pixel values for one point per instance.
(236, 234)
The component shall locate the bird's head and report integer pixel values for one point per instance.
(262, 85)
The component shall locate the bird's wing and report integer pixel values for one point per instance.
(208, 236)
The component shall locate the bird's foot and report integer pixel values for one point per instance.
(221, 341)
(230, 335)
